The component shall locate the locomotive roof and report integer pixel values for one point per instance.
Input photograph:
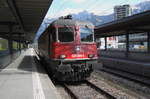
(70, 22)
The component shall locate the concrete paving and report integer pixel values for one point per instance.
(6, 58)
(26, 79)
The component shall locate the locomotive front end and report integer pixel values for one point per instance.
(74, 51)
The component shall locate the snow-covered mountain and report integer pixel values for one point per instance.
(98, 19)
(141, 7)
(43, 26)
(95, 19)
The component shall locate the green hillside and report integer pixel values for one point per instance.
(3, 44)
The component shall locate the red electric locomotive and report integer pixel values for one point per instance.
(68, 47)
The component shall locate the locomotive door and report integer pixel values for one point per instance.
(52, 38)
(45, 41)
(49, 44)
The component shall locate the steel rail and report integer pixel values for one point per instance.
(109, 96)
(70, 91)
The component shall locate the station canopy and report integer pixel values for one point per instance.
(138, 22)
(22, 18)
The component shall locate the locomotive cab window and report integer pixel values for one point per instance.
(65, 34)
(86, 35)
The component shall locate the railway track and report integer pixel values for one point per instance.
(86, 90)
(101, 91)
(133, 77)
(90, 90)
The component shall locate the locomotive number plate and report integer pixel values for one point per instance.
(77, 55)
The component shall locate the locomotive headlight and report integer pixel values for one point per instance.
(62, 56)
(77, 48)
(90, 55)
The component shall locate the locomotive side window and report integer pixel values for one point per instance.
(86, 35)
(65, 34)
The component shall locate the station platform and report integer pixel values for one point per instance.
(26, 79)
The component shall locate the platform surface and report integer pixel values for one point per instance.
(26, 79)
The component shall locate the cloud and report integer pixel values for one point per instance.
(101, 10)
(78, 1)
(64, 13)
(101, 13)
(135, 7)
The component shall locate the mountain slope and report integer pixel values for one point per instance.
(97, 19)
(141, 7)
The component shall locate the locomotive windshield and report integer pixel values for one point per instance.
(65, 34)
(86, 35)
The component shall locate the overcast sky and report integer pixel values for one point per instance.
(98, 7)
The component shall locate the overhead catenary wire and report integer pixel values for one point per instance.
(54, 15)
(61, 7)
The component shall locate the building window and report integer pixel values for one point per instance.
(138, 42)
(116, 43)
